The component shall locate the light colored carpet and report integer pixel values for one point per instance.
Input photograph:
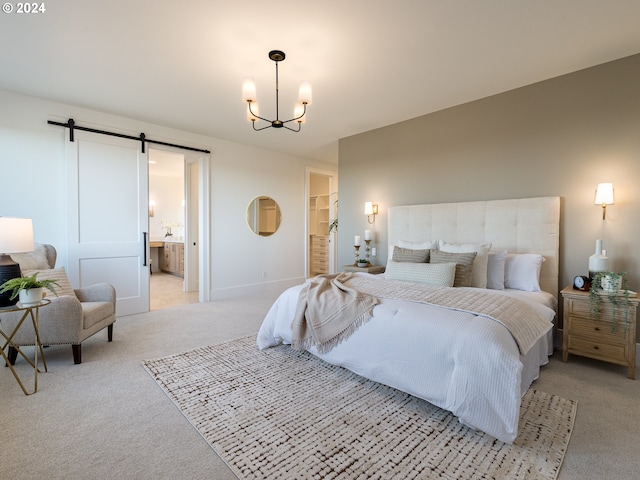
(282, 413)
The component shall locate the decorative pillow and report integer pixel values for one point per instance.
(464, 265)
(58, 274)
(407, 255)
(522, 271)
(479, 273)
(441, 274)
(495, 270)
(36, 260)
(426, 245)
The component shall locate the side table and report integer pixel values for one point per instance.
(30, 311)
(596, 338)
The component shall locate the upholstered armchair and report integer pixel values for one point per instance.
(72, 316)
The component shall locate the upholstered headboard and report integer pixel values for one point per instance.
(526, 225)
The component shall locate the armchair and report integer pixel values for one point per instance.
(72, 317)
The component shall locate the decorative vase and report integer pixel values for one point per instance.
(31, 297)
(598, 261)
(610, 284)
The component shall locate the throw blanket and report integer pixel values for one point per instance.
(523, 322)
(328, 312)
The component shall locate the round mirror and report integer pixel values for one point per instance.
(263, 216)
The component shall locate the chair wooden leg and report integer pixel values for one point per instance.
(12, 354)
(110, 333)
(77, 353)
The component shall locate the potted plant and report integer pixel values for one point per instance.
(362, 262)
(614, 286)
(29, 289)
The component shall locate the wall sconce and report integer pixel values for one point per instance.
(604, 196)
(370, 210)
(152, 204)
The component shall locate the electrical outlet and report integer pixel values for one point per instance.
(264, 274)
(373, 251)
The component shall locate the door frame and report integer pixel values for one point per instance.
(203, 160)
(333, 236)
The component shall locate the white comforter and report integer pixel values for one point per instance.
(459, 361)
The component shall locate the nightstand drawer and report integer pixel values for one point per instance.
(583, 307)
(604, 351)
(599, 330)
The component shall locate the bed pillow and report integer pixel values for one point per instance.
(58, 274)
(522, 271)
(464, 265)
(441, 274)
(479, 272)
(408, 255)
(426, 245)
(495, 270)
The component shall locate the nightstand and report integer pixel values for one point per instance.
(594, 338)
(375, 269)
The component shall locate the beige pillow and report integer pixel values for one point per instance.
(408, 255)
(464, 265)
(479, 273)
(35, 260)
(58, 274)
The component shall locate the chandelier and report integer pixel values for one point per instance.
(300, 110)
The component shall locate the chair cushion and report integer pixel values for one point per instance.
(58, 274)
(95, 312)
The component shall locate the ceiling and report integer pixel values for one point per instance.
(371, 62)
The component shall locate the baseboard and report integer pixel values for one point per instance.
(276, 287)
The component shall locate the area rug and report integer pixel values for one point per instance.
(285, 414)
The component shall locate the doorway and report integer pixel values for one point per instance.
(173, 229)
(322, 204)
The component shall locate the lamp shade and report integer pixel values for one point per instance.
(368, 208)
(249, 90)
(16, 235)
(604, 194)
(304, 93)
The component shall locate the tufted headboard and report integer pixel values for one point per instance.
(525, 225)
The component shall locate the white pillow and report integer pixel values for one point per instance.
(479, 271)
(495, 270)
(440, 274)
(522, 271)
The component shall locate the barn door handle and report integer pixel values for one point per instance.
(144, 249)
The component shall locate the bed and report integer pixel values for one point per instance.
(474, 348)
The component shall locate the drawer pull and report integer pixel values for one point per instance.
(595, 347)
(597, 329)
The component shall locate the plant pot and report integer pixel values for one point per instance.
(610, 284)
(363, 264)
(31, 297)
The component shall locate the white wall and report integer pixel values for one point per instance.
(33, 184)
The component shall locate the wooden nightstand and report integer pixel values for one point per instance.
(594, 338)
(375, 269)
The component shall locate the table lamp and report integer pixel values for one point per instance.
(16, 236)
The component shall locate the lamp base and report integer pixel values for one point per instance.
(8, 270)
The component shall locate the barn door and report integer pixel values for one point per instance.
(108, 217)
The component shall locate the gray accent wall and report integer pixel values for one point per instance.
(559, 137)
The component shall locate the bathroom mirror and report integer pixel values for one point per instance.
(263, 216)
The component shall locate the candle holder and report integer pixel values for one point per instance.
(357, 248)
(368, 250)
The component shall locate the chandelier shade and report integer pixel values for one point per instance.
(300, 109)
